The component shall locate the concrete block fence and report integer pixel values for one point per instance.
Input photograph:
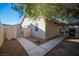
(13, 32)
(1, 34)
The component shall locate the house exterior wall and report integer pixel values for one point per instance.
(52, 29)
(46, 29)
(32, 24)
(71, 27)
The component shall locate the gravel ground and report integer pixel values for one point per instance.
(12, 48)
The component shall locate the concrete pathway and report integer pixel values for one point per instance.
(33, 50)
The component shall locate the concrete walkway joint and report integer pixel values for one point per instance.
(34, 50)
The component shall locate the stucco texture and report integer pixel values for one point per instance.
(32, 24)
(8, 33)
(46, 29)
(52, 29)
(1, 34)
(27, 32)
(14, 32)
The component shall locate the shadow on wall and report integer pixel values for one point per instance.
(36, 31)
(44, 33)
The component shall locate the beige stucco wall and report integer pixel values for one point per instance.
(27, 32)
(8, 33)
(11, 32)
(32, 24)
(14, 32)
(46, 29)
(52, 29)
(1, 34)
(19, 30)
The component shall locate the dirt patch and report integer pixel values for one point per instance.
(65, 48)
(39, 41)
(12, 48)
(35, 40)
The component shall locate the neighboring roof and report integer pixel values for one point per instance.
(9, 25)
(67, 21)
(73, 24)
(6, 25)
(64, 23)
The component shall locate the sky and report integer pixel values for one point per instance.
(8, 15)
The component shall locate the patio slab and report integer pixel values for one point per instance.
(51, 44)
(34, 50)
(26, 43)
(37, 51)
